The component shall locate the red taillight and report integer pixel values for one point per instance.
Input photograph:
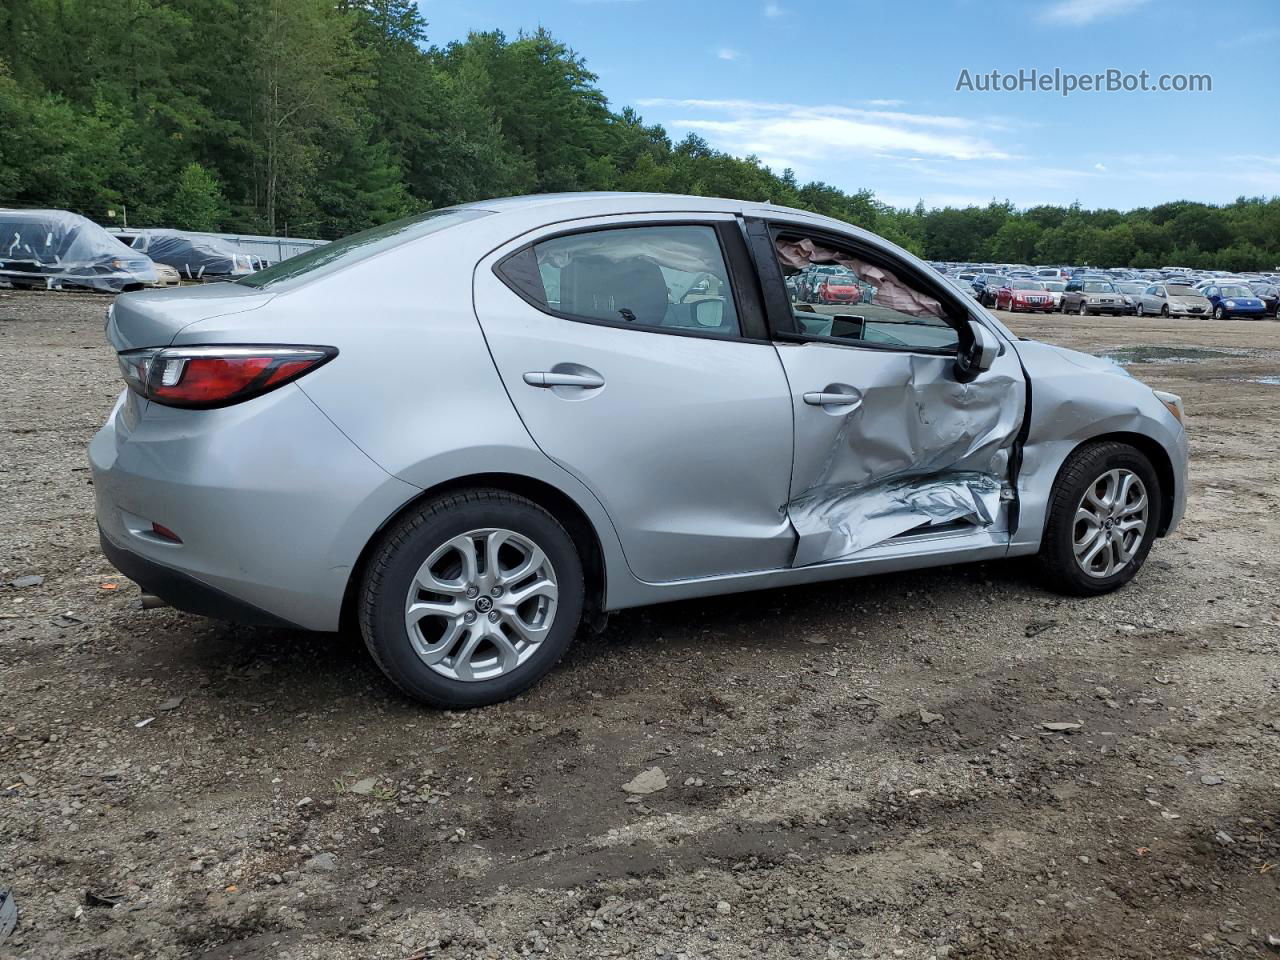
(216, 376)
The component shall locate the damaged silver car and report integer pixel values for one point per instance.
(473, 430)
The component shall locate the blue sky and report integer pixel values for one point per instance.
(862, 93)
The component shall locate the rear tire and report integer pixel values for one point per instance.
(480, 644)
(1079, 518)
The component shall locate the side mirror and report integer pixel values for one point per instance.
(979, 356)
(708, 313)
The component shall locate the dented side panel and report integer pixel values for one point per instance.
(911, 448)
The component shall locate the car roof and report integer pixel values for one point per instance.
(554, 206)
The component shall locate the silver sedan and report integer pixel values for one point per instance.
(1172, 300)
(472, 431)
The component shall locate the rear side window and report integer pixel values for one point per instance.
(360, 246)
(666, 278)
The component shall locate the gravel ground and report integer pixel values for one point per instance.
(857, 769)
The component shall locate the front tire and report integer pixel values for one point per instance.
(1103, 516)
(472, 598)
(1084, 309)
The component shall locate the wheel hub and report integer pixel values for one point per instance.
(1110, 523)
(480, 604)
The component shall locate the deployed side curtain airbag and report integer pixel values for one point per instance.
(890, 291)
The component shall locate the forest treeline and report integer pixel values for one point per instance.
(322, 117)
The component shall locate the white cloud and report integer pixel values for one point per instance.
(1080, 12)
(772, 10)
(726, 53)
(1099, 166)
(884, 103)
(809, 135)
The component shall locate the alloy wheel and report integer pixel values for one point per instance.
(480, 604)
(1110, 522)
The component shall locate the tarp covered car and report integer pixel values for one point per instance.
(54, 248)
(195, 256)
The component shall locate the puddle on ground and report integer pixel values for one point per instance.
(1127, 355)
(1270, 381)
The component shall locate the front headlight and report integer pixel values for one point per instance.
(1172, 402)
(1231, 304)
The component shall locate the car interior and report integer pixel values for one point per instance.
(670, 278)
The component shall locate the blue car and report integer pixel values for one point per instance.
(1234, 300)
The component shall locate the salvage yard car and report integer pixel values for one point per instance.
(1173, 300)
(1029, 295)
(196, 256)
(1092, 296)
(1130, 292)
(57, 249)
(552, 434)
(1231, 300)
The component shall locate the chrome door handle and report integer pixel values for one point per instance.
(543, 378)
(819, 399)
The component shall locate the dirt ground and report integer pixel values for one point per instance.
(854, 769)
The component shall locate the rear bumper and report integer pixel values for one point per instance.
(183, 591)
(273, 506)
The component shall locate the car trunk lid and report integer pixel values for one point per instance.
(154, 318)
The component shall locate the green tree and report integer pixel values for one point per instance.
(326, 116)
(1015, 241)
(197, 202)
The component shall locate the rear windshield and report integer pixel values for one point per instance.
(361, 246)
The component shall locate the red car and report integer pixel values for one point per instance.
(838, 288)
(1029, 295)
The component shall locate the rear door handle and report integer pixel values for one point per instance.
(544, 378)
